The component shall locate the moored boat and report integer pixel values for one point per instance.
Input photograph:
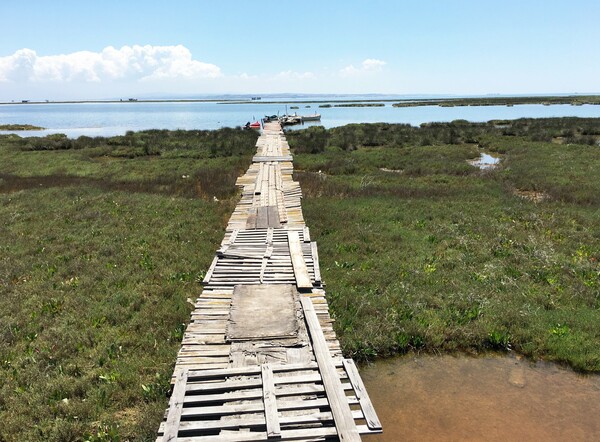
(289, 120)
(314, 117)
(255, 125)
(269, 118)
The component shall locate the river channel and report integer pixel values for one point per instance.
(491, 398)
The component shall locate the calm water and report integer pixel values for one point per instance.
(485, 161)
(494, 398)
(108, 119)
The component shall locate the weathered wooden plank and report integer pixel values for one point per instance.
(201, 351)
(306, 234)
(318, 433)
(267, 159)
(272, 183)
(268, 251)
(270, 402)
(248, 303)
(229, 242)
(233, 235)
(239, 395)
(300, 270)
(203, 359)
(256, 407)
(361, 393)
(251, 218)
(210, 271)
(273, 215)
(259, 179)
(237, 422)
(269, 239)
(263, 267)
(301, 435)
(171, 430)
(204, 339)
(226, 383)
(315, 258)
(344, 421)
(197, 366)
(210, 292)
(262, 217)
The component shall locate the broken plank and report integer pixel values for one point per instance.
(298, 263)
(361, 393)
(210, 271)
(270, 402)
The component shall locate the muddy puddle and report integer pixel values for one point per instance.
(493, 398)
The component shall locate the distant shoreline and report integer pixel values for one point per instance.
(185, 100)
(20, 127)
(575, 100)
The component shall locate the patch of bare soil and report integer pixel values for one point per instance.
(385, 169)
(531, 195)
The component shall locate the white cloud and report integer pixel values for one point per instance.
(372, 64)
(368, 65)
(129, 62)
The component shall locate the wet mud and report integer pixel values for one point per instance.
(492, 398)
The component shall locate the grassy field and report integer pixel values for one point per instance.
(104, 240)
(421, 250)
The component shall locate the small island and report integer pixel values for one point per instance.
(20, 127)
(360, 104)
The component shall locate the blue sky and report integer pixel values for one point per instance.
(104, 49)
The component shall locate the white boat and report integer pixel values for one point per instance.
(314, 117)
(288, 120)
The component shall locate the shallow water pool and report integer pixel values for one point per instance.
(492, 398)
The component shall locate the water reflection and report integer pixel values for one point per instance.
(485, 161)
(493, 398)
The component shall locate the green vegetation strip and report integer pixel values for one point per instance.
(575, 100)
(19, 127)
(360, 105)
(105, 239)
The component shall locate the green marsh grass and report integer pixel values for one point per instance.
(103, 240)
(101, 249)
(422, 251)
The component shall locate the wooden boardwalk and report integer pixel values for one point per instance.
(259, 360)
